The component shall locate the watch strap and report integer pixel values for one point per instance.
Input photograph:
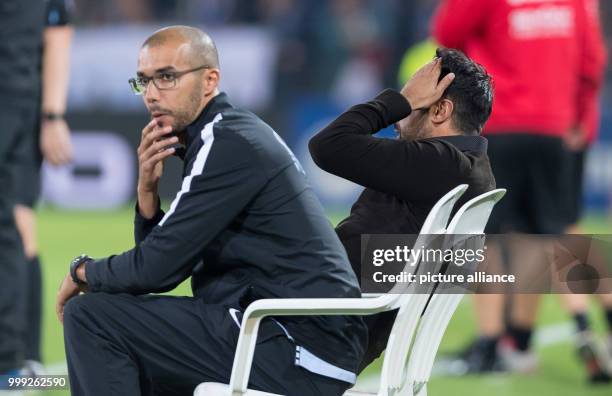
(74, 265)
(51, 116)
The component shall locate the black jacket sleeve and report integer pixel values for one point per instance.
(143, 226)
(220, 184)
(410, 170)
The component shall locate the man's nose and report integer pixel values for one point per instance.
(151, 93)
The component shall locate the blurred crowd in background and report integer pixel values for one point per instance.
(320, 40)
(295, 63)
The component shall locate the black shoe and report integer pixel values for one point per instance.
(480, 357)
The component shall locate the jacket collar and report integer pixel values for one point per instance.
(212, 108)
(467, 143)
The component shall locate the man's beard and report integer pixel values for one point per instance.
(184, 117)
(415, 130)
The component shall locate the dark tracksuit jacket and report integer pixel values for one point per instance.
(402, 179)
(245, 226)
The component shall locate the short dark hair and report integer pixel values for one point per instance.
(471, 91)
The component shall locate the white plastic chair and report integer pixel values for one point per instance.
(410, 307)
(470, 219)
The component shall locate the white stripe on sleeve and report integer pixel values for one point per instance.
(198, 166)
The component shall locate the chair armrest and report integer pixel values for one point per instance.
(371, 295)
(259, 309)
(319, 306)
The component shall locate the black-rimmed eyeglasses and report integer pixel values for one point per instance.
(162, 80)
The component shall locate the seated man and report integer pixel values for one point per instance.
(438, 115)
(245, 226)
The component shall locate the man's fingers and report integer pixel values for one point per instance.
(68, 289)
(59, 304)
(152, 131)
(155, 135)
(50, 158)
(433, 63)
(148, 128)
(149, 137)
(435, 70)
(157, 147)
(62, 156)
(55, 160)
(57, 154)
(160, 156)
(445, 82)
(53, 157)
(59, 311)
(69, 154)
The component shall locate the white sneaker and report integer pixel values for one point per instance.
(33, 368)
(594, 357)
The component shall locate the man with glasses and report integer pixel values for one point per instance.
(244, 226)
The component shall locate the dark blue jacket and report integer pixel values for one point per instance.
(245, 225)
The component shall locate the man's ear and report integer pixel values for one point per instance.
(211, 81)
(442, 111)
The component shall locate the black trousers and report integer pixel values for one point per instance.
(534, 170)
(119, 344)
(12, 280)
(12, 260)
(379, 330)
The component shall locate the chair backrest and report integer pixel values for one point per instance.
(410, 304)
(471, 218)
(434, 224)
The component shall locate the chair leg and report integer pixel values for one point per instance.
(421, 390)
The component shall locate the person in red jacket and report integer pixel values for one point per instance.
(578, 140)
(546, 58)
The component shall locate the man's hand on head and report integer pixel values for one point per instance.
(423, 89)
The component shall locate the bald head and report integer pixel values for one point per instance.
(201, 48)
(178, 67)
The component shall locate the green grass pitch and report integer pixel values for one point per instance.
(63, 235)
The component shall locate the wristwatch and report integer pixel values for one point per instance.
(83, 258)
(51, 116)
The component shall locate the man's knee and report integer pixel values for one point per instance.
(82, 307)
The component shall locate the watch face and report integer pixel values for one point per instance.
(74, 264)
